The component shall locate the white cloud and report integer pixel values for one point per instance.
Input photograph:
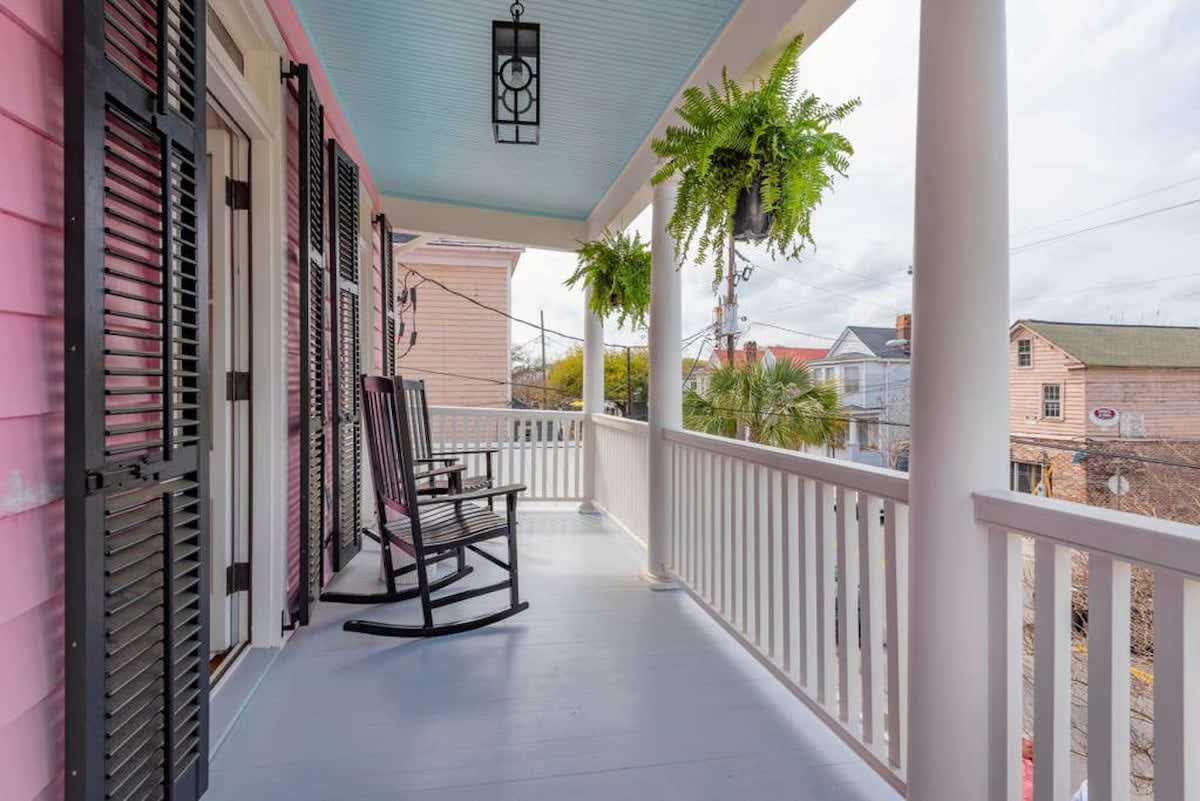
(1104, 105)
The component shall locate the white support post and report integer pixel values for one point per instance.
(666, 379)
(593, 398)
(959, 388)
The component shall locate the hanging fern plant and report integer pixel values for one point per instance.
(770, 145)
(616, 267)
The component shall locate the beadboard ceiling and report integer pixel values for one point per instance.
(414, 80)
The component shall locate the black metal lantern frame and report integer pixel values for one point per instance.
(516, 79)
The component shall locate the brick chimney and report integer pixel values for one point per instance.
(751, 352)
(904, 330)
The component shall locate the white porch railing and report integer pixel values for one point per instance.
(1114, 542)
(541, 449)
(622, 480)
(774, 544)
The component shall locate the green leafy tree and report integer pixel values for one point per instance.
(566, 374)
(774, 402)
(732, 137)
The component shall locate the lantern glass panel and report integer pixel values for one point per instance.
(516, 82)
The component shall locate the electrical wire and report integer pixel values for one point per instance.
(1107, 206)
(793, 330)
(1109, 224)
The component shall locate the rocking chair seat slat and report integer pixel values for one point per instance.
(447, 526)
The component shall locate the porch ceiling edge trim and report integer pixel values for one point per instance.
(301, 49)
(469, 222)
(747, 46)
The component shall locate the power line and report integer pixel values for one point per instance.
(1109, 224)
(793, 330)
(1114, 204)
(496, 381)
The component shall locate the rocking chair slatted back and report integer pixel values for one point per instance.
(390, 447)
(418, 416)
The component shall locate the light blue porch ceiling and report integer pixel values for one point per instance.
(414, 80)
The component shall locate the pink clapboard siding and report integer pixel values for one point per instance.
(31, 402)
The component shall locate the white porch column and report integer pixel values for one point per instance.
(593, 398)
(959, 388)
(666, 379)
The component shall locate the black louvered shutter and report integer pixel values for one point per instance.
(387, 290)
(347, 363)
(312, 342)
(137, 400)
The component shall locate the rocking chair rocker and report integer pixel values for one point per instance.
(429, 529)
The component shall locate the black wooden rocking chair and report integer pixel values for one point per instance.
(430, 529)
(422, 441)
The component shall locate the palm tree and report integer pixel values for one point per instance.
(775, 402)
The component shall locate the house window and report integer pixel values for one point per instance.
(851, 380)
(1052, 400)
(868, 434)
(1026, 476)
(1024, 353)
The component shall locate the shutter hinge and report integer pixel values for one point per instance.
(237, 578)
(237, 385)
(237, 194)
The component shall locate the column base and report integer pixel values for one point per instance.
(658, 583)
(589, 508)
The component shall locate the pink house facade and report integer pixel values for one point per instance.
(195, 219)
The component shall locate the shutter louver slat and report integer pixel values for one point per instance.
(312, 342)
(137, 400)
(347, 365)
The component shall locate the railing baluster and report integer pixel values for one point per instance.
(849, 703)
(870, 571)
(723, 538)
(895, 518)
(787, 530)
(1052, 672)
(826, 647)
(1005, 683)
(745, 547)
(758, 556)
(1176, 687)
(772, 533)
(807, 594)
(1108, 678)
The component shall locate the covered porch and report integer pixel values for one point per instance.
(601, 690)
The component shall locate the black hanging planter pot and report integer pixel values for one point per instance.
(751, 222)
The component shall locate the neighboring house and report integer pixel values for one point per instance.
(752, 352)
(455, 336)
(870, 365)
(1083, 394)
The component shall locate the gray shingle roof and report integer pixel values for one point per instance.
(1123, 345)
(876, 338)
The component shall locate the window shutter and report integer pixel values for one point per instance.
(312, 341)
(347, 364)
(137, 400)
(388, 296)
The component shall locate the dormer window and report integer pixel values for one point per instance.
(1024, 353)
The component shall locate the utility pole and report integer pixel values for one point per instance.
(730, 305)
(545, 385)
(628, 382)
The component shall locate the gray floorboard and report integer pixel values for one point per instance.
(602, 690)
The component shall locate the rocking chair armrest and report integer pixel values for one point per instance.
(477, 495)
(464, 452)
(439, 471)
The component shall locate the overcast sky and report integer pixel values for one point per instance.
(1104, 116)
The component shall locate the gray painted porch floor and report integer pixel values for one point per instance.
(601, 690)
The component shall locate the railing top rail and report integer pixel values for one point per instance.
(621, 423)
(489, 411)
(1149, 541)
(877, 481)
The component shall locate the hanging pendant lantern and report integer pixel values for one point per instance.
(516, 79)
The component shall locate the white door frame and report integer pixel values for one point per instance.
(253, 98)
